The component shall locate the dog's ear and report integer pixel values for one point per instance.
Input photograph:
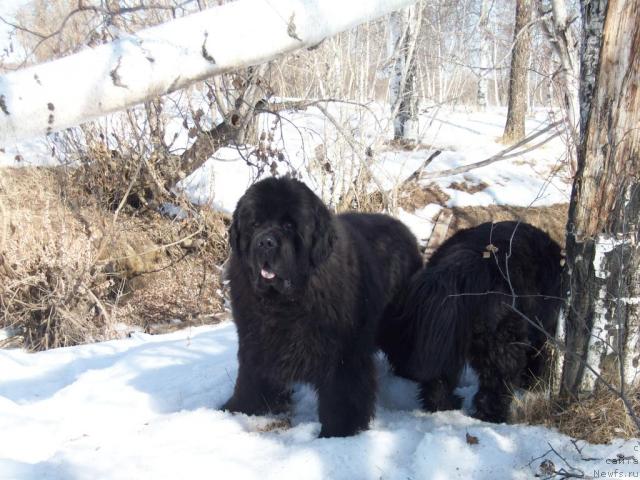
(324, 234)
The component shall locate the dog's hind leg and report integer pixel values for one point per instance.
(437, 394)
(499, 357)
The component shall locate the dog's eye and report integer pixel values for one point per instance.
(287, 226)
(255, 224)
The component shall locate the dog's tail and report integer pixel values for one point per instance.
(433, 332)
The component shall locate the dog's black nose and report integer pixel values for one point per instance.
(267, 242)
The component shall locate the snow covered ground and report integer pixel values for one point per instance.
(147, 407)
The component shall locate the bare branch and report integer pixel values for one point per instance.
(503, 155)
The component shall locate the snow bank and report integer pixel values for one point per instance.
(533, 178)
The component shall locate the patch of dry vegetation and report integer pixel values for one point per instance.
(413, 196)
(598, 418)
(552, 219)
(73, 272)
(468, 186)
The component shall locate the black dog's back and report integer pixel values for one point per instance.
(391, 245)
(518, 261)
(486, 296)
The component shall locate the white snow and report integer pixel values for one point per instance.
(470, 137)
(221, 181)
(420, 222)
(147, 407)
(536, 178)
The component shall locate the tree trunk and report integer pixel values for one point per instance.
(562, 41)
(485, 39)
(404, 28)
(514, 128)
(593, 15)
(603, 247)
(238, 108)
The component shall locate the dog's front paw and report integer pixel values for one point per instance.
(234, 406)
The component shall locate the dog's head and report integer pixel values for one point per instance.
(281, 231)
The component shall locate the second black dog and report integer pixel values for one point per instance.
(485, 297)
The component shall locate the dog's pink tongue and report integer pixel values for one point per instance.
(267, 274)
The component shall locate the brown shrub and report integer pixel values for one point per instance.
(72, 272)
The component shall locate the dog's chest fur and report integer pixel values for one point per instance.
(298, 345)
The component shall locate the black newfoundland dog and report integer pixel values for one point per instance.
(485, 297)
(308, 292)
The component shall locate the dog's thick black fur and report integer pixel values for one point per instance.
(308, 290)
(468, 304)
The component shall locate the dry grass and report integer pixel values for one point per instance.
(597, 419)
(410, 197)
(552, 219)
(278, 424)
(47, 281)
(413, 196)
(70, 275)
(468, 186)
(169, 270)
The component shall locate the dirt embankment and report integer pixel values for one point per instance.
(552, 218)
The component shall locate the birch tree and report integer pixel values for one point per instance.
(556, 25)
(603, 248)
(518, 85)
(404, 27)
(55, 95)
(484, 56)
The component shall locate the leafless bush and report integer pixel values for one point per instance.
(122, 161)
(69, 274)
(49, 282)
(53, 299)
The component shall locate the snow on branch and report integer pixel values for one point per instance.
(158, 60)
